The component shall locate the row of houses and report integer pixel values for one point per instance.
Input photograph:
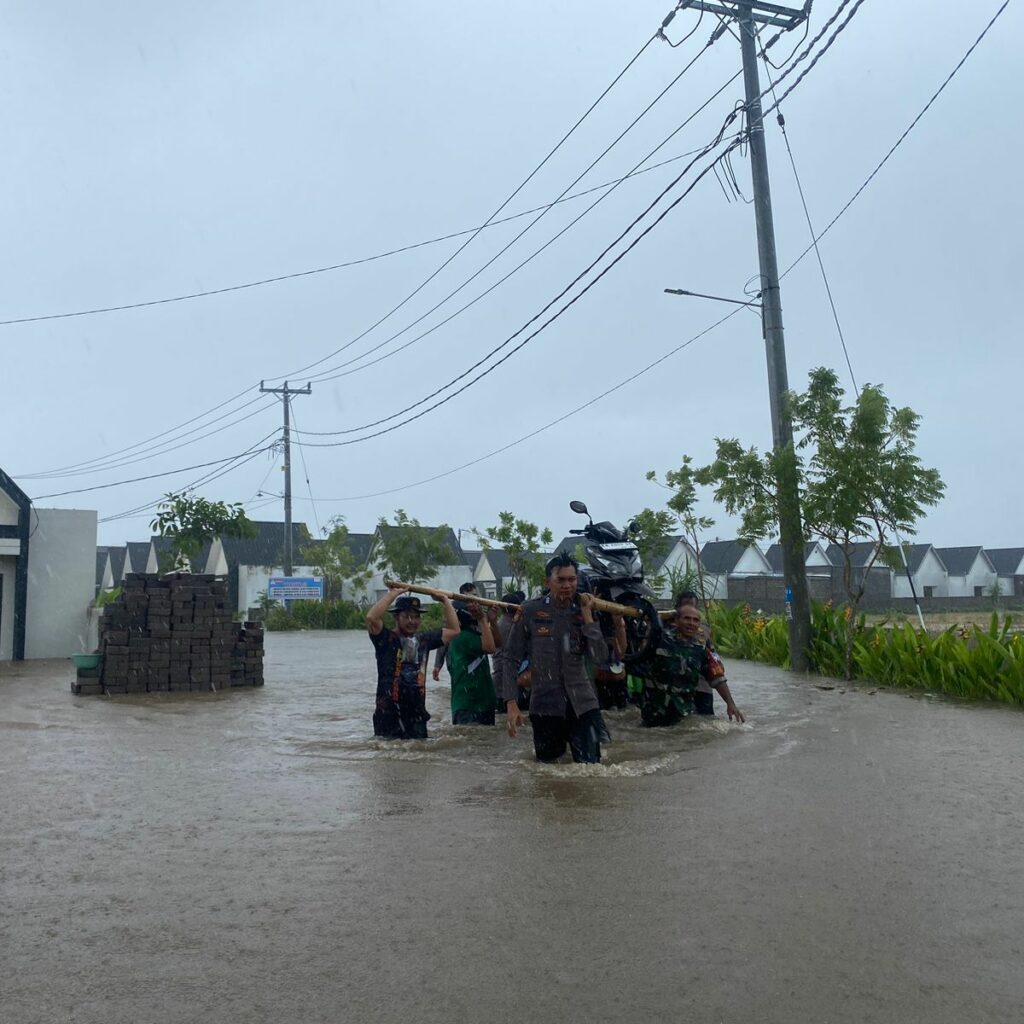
(731, 569)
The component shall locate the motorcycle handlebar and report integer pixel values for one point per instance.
(577, 531)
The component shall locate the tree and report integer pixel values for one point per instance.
(859, 479)
(682, 505)
(650, 530)
(411, 552)
(190, 522)
(333, 559)
(521, 541)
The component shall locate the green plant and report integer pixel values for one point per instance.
(411, 552)
(191, 522)
(106, 597)
(521, 541)
(333, 559)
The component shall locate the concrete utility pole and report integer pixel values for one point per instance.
(285, 394)
(748, 14)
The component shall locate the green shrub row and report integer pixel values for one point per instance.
(969, 662)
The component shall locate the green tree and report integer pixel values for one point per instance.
(521, 541)
(333, 559)
(410, 552)
(651, 531)
(190, 522)
(682, 505)
(859, 477)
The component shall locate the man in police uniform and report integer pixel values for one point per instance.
(557, 633)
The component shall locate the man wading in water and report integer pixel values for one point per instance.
(402, 654)
(556, 633)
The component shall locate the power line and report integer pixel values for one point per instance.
(348, 263)
(326, 375)
(309, 486)
(587, 270)
(322, 375)
(147, 454)
(154, 476)
(547, 426)
(394, 309)
(896, 145)
(810, 226)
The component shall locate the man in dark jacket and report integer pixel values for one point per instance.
(557, 633)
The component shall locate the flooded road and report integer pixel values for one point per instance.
(258, 857)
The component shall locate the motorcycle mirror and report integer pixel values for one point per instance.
(578, 506)
(634, 527)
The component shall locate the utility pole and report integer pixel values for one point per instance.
(748, 14)
(285, 393)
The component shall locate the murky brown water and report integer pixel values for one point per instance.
(257, 857)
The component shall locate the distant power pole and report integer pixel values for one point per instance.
(748, 14)
(285, 393)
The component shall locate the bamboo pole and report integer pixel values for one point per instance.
(600, 604)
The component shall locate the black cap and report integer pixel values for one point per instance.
(407, 603)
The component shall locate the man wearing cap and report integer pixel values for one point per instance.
(557, 633)
(402, 655)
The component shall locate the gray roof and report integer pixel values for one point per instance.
(774, 554)
(471, 557)
(117, 557)
(138, 554)
(653, 566)
(360, 544)
(860, 554)
(1006, 560)
(497, 559)
(722, 556)
(267, 547)
(958, 561)
(916, 554)
(102, 557)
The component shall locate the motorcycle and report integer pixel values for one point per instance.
(615, 572)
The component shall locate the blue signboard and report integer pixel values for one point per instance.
(296, 588)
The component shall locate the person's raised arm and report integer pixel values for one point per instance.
(375, 616)
(451, 627)
(488, 631)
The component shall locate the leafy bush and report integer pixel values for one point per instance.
(972, 662)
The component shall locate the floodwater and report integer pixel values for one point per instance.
(256, 856)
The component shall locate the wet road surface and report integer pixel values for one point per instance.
(257, 857)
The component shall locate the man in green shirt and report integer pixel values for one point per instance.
(473, 694)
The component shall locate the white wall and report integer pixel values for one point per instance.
(253, 581)
(930, 573)
(8, 567)
(752, 563)
(447, 577)
(61, 582)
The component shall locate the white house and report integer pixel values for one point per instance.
(141, 557)
(724, 558)
(816, 559)
(1009, 564)
(931, 578)
(679, 560)
(971, 572)
(449, 576)
(47, 577)
(104, 575)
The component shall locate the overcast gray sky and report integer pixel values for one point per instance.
(153, 150)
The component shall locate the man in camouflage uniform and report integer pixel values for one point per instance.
(674, 672)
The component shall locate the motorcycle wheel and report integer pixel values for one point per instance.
(642, 634)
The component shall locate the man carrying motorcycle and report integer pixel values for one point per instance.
(556, 633)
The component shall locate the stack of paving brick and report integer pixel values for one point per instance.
(175, 633)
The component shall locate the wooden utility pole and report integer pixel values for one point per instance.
(285, 394)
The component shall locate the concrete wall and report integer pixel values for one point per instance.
(61, 582)
(981, 575)
(8, 567)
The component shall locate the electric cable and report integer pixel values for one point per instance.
(309, 486)
(394, 309)
(896, 145)
(321, 375)
(810, 225)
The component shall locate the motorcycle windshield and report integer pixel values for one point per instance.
(623, 565)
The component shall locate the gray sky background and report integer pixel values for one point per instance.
(152, 150)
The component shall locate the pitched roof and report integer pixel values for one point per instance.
(722, 556)
(471, 557)
(958, 561)
(497, 559)
(569, 544)
(916, 555)
(360, 544)
(138, 554)
(1006, 560)
(117, 557)
(267, 547)
(102, 557)
(774, 554)
(14, 492)
(860, 554)
(451, 541)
